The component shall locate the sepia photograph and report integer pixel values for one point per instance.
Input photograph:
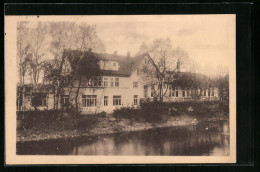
(120, 89)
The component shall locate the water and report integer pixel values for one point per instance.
(207, 139)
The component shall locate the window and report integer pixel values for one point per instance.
(176, 92)
(97, 81)
(135, 84)
(209, 92)
(117, 82)
(39, 99)
(212, 92)
(152, 91)
(64, 101)
(135, 99)
(105, 82)
(193, 92)
(116, 100)
(183, 93)
(105, 100)
(112, 82)
(89, 100)
(188, 92)
(204, 92)
(145, 91)
(147, 61)
(171, 91)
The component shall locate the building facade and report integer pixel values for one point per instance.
(118, 84)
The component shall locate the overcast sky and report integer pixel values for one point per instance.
(208, 39)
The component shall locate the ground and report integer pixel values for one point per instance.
(107, 124)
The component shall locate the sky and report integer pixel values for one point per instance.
(208, 39)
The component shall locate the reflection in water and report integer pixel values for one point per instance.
(204, 139)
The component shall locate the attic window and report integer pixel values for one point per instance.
(135, 84)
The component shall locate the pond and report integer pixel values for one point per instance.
(204, 139)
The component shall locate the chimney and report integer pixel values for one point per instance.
(115, 52)
(128, 54)
(178, 65)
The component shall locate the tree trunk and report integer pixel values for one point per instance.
(160, 87)
(23, 97)
(196, 94)
(77, 94)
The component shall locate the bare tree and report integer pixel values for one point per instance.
(86, 41)
(63, 36)
(163, 61)
(37, 46)
(22, 50)
(22, 60)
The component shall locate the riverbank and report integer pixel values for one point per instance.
(108, 124)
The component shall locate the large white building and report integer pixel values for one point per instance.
(117, 84)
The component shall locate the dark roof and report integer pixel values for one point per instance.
(106, 56)
(189, 79)
(126, 64)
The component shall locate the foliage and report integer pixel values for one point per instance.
(155, 111)
(158, 111)
(87, 122)
(148, 112)
(127, 113)
(223, 86)
(51, 119)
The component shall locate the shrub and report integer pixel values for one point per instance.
(30, 119)
(131, 113)
(86, 122)
(155, 111)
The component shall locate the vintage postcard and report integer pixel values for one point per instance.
(120, 89)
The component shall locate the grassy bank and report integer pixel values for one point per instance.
(151, 115)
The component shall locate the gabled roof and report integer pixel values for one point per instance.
(126, 64)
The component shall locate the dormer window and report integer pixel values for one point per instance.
(114, 65)
(135, 84)
(108, 65)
